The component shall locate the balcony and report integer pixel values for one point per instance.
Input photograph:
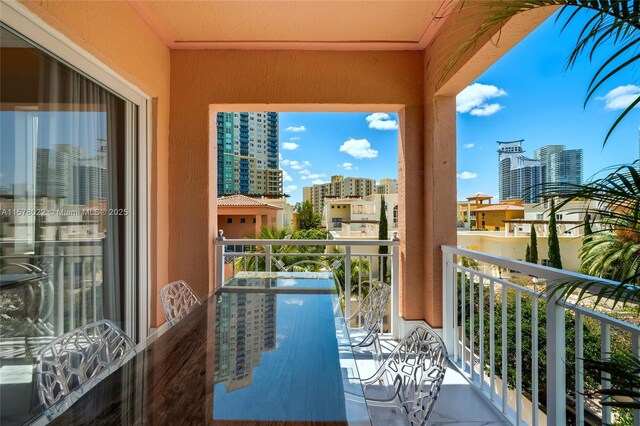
(476, 347)
(178, 66)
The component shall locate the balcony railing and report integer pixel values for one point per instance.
(339, 256)
(491, 351)
(57, 289)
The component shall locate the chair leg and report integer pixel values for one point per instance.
(379, 357)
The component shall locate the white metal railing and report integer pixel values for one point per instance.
(262, 255)
(473, 297)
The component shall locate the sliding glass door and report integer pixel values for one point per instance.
(67, 207)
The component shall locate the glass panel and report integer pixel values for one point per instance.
(63, 206)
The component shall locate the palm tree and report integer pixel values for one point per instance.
(614, 250)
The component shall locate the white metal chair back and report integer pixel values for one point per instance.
(371, 311)
(75, 357)
(178, 299)
(412, 375)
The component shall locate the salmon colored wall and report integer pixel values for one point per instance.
(440, 90)
(115, 34)
(183, 218)
(287, 81)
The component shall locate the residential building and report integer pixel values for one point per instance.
(466, 209)
(560, 165)
(339, 187)
(356, 217)
(240, 216)
(493, 217)
(519, 177)
(286, 217)
(248, 153)
(387, 186)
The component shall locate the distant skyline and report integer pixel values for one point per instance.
(528, 95)
(525, 95)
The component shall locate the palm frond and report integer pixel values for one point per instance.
(614, 23)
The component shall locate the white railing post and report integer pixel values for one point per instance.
(395, 287)
(556, 364)
(347, 281)
(448, 325)
(220, 259)
(267, 258)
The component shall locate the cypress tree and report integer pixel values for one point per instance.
(587, 226)
(554, 244)
(383, 235)
(527, 254)
(533, 253)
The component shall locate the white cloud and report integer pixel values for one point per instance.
(290, 146)
(306, 174)
(473, 99)
(317, 182)
(296, 129)
(381, 121)
(467, 175)
(290, 188)
(485, 110)
(346, 166)
(468, 145)
(294, 138)
(620, 97)
(294, 301)
(358, 148)
(296, 165)
(286, 176)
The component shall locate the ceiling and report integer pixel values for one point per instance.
(298, 24)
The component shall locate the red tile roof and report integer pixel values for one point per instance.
(243, 201)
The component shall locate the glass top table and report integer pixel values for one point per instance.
(272, 357)
(281, 282)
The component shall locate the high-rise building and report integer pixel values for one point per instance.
(519, 177)
(387, 186)
(248, 151)
(338, 187)
(560, 165)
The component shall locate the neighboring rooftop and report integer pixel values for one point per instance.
(479, 195)
(500, 207)
(243, 201)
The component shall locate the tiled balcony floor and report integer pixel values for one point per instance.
(459, 403)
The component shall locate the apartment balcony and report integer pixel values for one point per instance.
(171, 69)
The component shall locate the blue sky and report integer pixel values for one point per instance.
(315, 146)
(526, 95)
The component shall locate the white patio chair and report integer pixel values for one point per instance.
(404, 389)
(76, 357)
(371, 313)
(178, 299)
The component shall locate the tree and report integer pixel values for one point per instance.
(383, 235)
(587, 226)
(533, 255)
(554, 244)
(616, 248)
(307, 217)
(527, 254)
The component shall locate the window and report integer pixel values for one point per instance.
(254, 220)
(229, 220)
(69, 153)
(242, 220)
